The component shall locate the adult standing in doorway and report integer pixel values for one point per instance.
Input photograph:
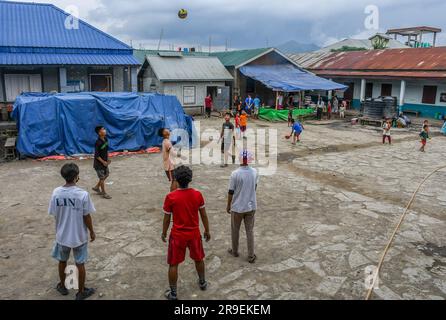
(242, 204)
(208, 105)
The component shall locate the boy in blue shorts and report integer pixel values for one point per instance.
(71, 206)
(296, 130)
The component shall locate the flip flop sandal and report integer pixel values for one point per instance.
(96, 190)
(203, 286)
(235, 255)
(169, 296)
(87, 293)
(106, 196)
(62, 290)
(252, 259)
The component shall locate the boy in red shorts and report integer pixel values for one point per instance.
(184, 204)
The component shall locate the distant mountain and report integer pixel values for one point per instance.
(296, 47)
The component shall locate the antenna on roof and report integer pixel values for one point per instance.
(161, 38)
(210, 44)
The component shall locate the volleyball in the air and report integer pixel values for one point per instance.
(182, 14)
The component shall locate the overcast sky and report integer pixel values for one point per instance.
(251, 23)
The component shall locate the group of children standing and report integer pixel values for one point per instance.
(424, 134)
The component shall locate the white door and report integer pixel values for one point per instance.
(16, 84)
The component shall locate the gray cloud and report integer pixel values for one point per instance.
(250, 23)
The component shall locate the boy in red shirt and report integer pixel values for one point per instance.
(184, 204)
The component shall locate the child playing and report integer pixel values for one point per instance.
(168, 154)
(342, 109)
(296, 130)
(101, 161)
(243, 122)
(387, 126)
(71, 206)
(226, 138)
(184, 204)
(237, 125)
(424, 135)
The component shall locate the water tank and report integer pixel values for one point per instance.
(390, 107)
(374, 108)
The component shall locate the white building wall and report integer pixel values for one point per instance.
(176, 89)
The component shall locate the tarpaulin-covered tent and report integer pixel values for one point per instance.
(64, 124)
(288, 78)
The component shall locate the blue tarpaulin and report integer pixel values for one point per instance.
(64, 124)
(288, 78)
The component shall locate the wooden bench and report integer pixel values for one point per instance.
(10, 148)
(416, 113)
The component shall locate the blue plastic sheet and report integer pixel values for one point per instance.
(288, 78)
(64, 124)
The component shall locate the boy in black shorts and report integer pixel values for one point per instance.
(101, 161)
(227, 139)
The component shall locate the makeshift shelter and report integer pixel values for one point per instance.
(64, 124)
(288, 78)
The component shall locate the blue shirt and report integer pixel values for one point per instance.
(257, 102)
(248, 102)
(297, 128)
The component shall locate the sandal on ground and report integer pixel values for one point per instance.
(62, 290)
(106, 196)
(203, 285)
(235, 255)
(169, 296)
(97, 190)
(252, 259)
(87, 293)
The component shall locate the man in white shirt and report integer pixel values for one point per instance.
(71, 207)
(242, 204)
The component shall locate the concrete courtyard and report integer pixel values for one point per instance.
(323, 218)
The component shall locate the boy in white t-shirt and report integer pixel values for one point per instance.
(71, 207)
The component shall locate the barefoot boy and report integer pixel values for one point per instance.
(227, 139)
(71, 206)
(168, 157)
(184, 204)
(101, 161)
(424, 135)
(296, 130)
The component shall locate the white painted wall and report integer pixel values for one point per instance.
(176, 89)
(414, 89)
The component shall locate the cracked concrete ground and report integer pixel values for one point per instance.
(323, 218)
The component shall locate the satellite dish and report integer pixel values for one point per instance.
(182, 14)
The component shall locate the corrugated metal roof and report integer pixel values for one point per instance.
(419, 63)
(140, 54)
(433, 59)
(188, 68)
(43, 25)
(306, 60)
(361, 43)
(381, 74)
(236, 58)
(67, 59)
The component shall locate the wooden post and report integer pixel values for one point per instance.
(277, 100)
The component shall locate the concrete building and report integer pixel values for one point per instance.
(44, 49)
(416, 77)
(190, 77)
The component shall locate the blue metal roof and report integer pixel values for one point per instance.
(67, 59)
(288, 78)
(43, 25)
